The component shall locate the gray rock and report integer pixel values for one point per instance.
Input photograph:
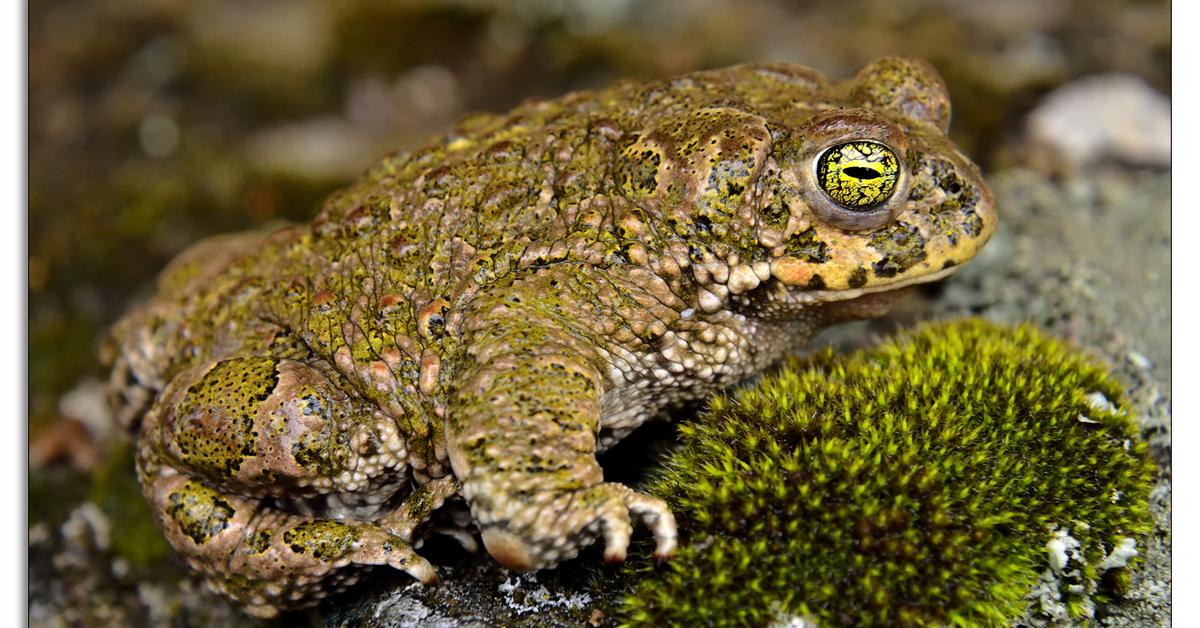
(1114, 117)
(475, 592)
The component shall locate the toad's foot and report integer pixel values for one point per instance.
(554, 526)
(309, 556)
(271, 560)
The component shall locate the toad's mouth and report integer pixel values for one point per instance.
(795, 295)
(825, 296)
(781, 300)
(786, 282)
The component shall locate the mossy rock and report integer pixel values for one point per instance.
(927, 481)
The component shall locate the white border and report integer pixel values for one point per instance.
(14, 389)
(1185, 304)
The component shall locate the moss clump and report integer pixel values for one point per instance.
(915, 483)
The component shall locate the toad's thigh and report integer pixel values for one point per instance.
(264, 426)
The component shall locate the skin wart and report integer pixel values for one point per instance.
(451, 341)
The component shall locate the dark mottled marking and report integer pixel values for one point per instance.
(260, 542)
(858, 278)
(639, 171)
(972, 223)
(311, 452)
(326, 540)
(807, 246)
(199, 511)
(618, 256)
(949, 264)
(902, 246)
(777, 213)
(955, 214)
(436, 325)
(312, 405)
(816, 282)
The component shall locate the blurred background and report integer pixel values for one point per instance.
(153, 123)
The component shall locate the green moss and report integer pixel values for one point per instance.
(915, 483)
(116, 490)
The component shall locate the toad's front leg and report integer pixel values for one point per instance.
(523, 430)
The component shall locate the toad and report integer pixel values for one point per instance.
(450, 342)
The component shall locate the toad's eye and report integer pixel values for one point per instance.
(858, 175)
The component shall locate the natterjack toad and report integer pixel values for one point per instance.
(477, 318)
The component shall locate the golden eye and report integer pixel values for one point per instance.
(858, 175)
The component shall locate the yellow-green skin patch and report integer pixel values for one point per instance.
(260, 541)
(477, 317)
(858, 175)
(214, 428)
(902, 246)
(324, 540)
(199, 511)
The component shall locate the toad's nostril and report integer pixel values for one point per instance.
(860, 172)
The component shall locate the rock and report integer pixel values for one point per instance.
(320, 148)
(475, 592)
(1108, 117)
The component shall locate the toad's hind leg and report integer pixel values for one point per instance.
(275, 483)
(270, 560)
(268, 427)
